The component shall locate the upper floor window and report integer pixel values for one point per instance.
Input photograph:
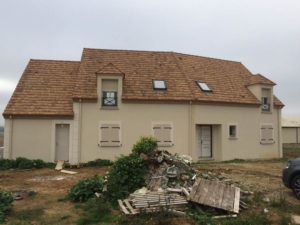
(159, 85)
(204, 87)
(266, 100)
(109, 98)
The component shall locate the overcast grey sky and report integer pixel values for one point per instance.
(262, 34)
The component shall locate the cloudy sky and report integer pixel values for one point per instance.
(262, 34)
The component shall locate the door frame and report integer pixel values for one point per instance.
(53, 138)
(211, 141)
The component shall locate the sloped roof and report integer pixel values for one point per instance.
(45, 89)
(259, 79)
(48, 87)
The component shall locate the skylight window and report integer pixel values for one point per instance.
(159, 85)
(204, 87)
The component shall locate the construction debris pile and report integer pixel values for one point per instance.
(172, 184)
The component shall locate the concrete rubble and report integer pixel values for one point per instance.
(170, 181)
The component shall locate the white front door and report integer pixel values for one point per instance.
(62, 138)
(205, 141)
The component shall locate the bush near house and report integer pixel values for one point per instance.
(125, 176)
(24, 163)
(85, 189)
(6, 200)
(146, 145)
(98, 162)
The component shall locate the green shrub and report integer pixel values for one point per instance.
(85, 189)
(98, 162)
(6, 200)
(6, 164)
(23, 163)
(125, 176)
(146, 145)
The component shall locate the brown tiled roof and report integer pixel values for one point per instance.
(259, 79)
(45, 89)
(48, 86)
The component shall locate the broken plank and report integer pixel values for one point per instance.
(127, 203)
(236, 205)
(68, 172)
(186, 192)
(177, 190)
(123, 207)
(59, 165)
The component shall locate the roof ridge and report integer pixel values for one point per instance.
(106, 49)
(55, 60)
(207, 57)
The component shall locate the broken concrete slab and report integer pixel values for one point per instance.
(216, 194)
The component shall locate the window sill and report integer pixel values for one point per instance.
(232, 138)
(267, 143)
(104, 146)
(266, 112)
(165, 145)
(109, 107)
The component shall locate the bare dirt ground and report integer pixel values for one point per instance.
(51, 185)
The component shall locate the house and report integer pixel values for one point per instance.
(290, 130)
(98, 107)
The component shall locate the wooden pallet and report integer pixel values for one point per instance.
(216, 194)
(153, 202)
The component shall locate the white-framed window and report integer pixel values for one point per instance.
(110, 134)
(163, 133)
(203, 86)
(266, 133)
(159, 84)
(232, 131)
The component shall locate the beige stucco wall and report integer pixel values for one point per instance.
(136, 120)
(31, 138)
(289, 134)
(248, 120)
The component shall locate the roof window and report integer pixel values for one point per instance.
(159, 85)
(204, 87)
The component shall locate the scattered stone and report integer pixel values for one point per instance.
(18, 195)
(266, 210)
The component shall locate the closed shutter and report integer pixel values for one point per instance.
(163, 134)
(267, 134)
(110, 135)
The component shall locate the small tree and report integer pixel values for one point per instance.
(146, 145)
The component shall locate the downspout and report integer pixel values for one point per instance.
(279, 133)
(10, 136)
(190, 133)
(79, 130)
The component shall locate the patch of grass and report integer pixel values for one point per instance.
(257, 197)
(280, 202)
(283, 159)
(31, 193)
(65, 217)
(28, 215)
(251, 219)
(285, 220)
(96, 211)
